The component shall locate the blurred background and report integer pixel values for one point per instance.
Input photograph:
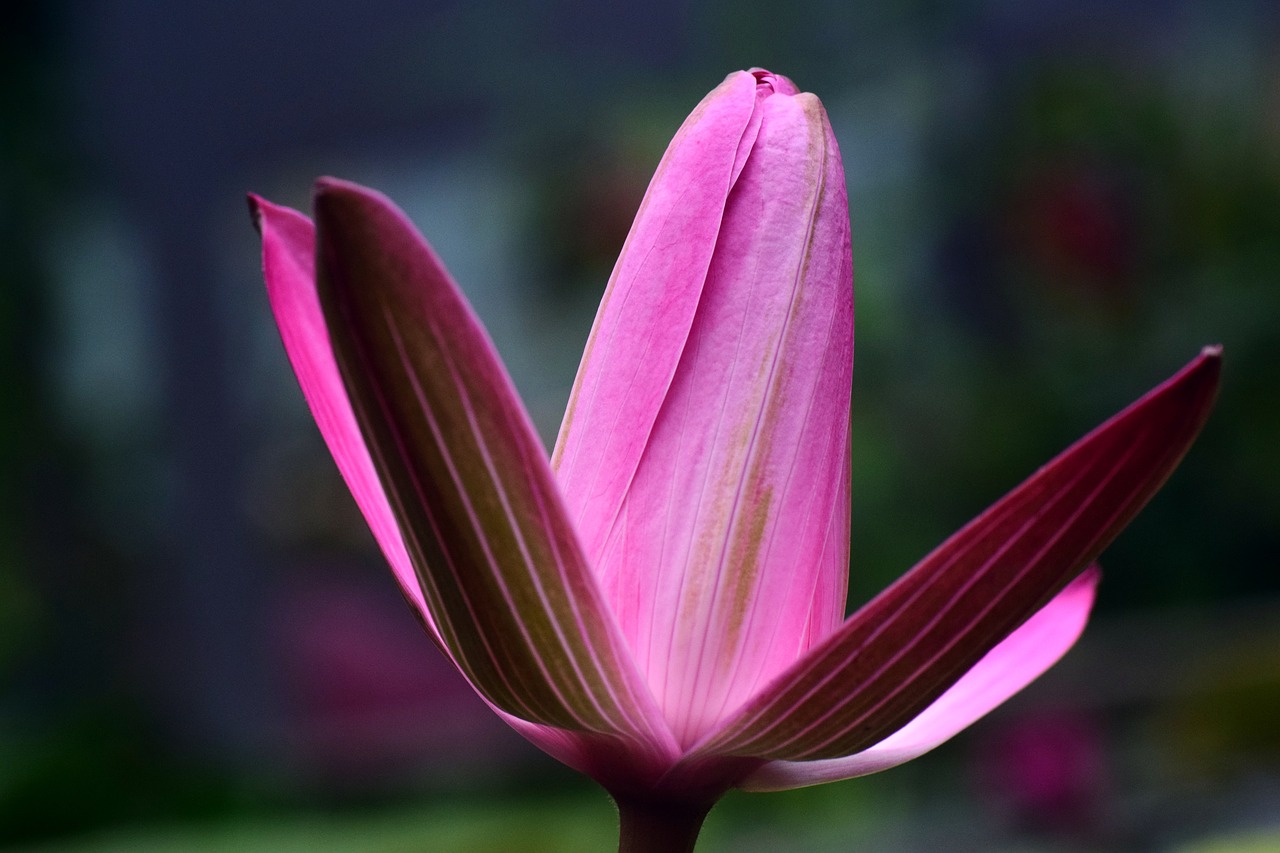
(1055, 205)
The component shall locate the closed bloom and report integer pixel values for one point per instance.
(662, 605)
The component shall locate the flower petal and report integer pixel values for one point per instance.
(288, 256)
(1018, 660)
(288, 261)
(901, 651)
(736, 517)
(497, 562)
(644, 318)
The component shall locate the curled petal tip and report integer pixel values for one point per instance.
(782, 85)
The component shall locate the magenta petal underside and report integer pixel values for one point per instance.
(901, 651)
(288, 258)
(288, 250)
(495, 561)
(1018, 660)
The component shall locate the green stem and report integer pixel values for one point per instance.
(658, 827)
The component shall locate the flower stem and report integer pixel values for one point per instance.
(658, 827)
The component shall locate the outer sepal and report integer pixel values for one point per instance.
(1018, 660)
(901, 651)
(288, 261)
(499, 569)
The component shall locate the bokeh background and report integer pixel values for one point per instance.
(1055, 204)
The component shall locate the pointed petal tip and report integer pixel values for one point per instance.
(261, 211)
(1210, 354)
(1199, 378)
(1208, 362)
(265, 213)
(1091, 576)
(1192, 391)
(1211, 357)
(255, 210)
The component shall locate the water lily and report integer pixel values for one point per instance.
(662, 604)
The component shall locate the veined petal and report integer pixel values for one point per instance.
(1018, 660)
(288, 261)
(644, 318)
(896, 655)
(735, 520)
(498, 566)
(288, 257)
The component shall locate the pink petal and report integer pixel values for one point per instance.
(1018, 660)
(647, 311)
(288, 257)
(735, 518)
(288, 261)
(495, 560)
(901, 651)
